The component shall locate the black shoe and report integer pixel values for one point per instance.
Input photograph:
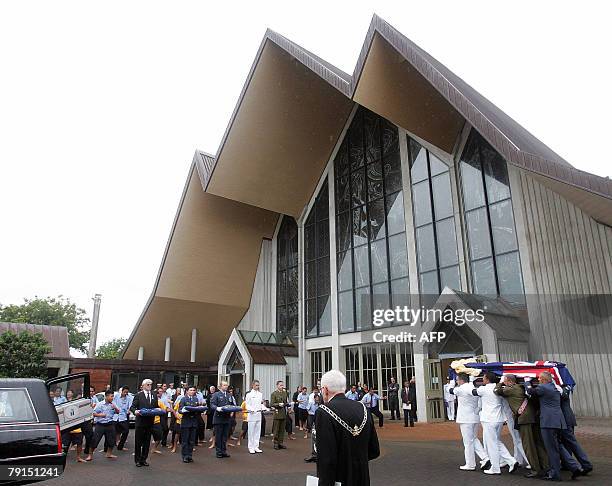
(219, 456)
(577, 473)
(276, 447)
(550, 478)
(144, 463)
(185, 460)
(281, 446)
(225, 455)
(586, 471)
(190, 459)
(138, 464)
(311, 459)
(532, 474)
(485, 466)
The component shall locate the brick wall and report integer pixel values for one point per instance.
(98, 378)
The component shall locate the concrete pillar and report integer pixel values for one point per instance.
(140, 353)
(167, 350)
(194, 344)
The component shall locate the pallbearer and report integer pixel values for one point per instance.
(469, 422)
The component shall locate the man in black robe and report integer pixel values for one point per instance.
(346, 439)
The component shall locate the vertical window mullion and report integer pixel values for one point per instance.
(433, 220)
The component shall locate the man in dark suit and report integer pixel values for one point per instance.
(552, 422)
(405, 405)
(346, 439)
(221, 419)
(569, 443)
(144, 425)
(393, 392)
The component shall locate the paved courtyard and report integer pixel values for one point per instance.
(428, 453)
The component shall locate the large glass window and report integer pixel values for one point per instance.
(370, 227)
(375, 364)
(320, 363)
(432, 204)
(316, 267)
(493, 249)
(287, 278)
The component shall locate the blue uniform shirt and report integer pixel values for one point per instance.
(106, 408)
(370, 401)
(124, 405)
(59, 400)
(352, 395)
(303, 401)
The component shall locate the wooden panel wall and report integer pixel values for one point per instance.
(565, 252)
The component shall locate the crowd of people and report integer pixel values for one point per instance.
(172, 426)
(539, 418)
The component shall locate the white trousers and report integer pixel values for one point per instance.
(450, 409)
(519, 452)
(491, 436)
(471, 444)
(254, 434)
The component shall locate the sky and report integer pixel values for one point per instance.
(102, 105)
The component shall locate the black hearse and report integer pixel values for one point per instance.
(33, 416)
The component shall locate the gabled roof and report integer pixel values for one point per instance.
(518, 146)
(290, 114)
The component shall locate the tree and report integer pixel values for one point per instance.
(110, 349)
(52, 311)
(23, 355)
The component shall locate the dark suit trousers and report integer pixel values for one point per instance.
(378, 413)
(571, 446)
(551, 439)
(122, 429)
(188, 438)
(142, 443)
(165, 429)
(394, 406)
(221, 435)
(408, 418)
(201, 435)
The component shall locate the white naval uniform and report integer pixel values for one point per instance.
(449, 401)
(492, 418)
(254, 407)
(519, 452)
(468, 407)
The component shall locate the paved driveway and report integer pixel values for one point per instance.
(428, 454)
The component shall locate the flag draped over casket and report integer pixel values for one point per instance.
(531, 369)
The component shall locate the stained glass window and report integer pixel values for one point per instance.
(287, 278)
(370, 228)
